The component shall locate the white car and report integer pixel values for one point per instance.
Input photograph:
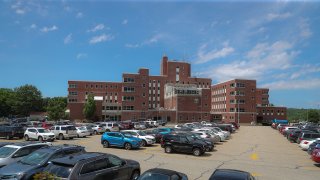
(82, 131)
(146, 139)
(214, 132)
(40, 134)
(226, 133)
(304, 144)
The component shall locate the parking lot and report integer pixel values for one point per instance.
(258, 150)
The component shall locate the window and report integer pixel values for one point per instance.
(127, 98)
(114, 161)
(128, 89)
(72, 86)
(128, 79)
(143, 85)
(143, 94)
(88, 168)
(128, 108)
(73, 93)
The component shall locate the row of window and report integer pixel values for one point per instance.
(238, 101)
(237, 110)
(237, 93)
(72, 85)
(128, 89)
(112, 108)
(239, 85)
(72, 100)
(128, 108)
(73, 93)
(127, 98)
(128, 80)
(101, 86)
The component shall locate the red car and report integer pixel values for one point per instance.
(236, 125)
(315, 156)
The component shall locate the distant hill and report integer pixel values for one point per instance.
(295, 114)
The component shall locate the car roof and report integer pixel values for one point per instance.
(163, 171)
(75, 158)
(59, 147)
(229, 174)
(23, 144)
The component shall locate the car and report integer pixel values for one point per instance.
(97, 128)
(14, 152)
(220, 136)
(89, 129)
(196, 136)
(39, 134)
(11, 131)
(207, 136)
(152, 124)
(313, 146)
(110, 126)
(93, 165)
(236, 125)
(182, 143)
(220, 174)
(118, 139)
(307, 136)
(82, 132)
(165, 174)
(225, 127)
(288, 130)
(35, 162)
(226, 133)
(5, 143)
(64, 131)
(126, 125)
(162, 122)
(304, 144)
(146, 139)
(293, 136)
(139, 125)
(315, 156)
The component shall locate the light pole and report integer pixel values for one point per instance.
(238, 102)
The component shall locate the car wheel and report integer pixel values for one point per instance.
(105, 144)
(70, 137)
(168, 149)
(196, 152)
(135, 175)
(143, 143)
(26, 137)
(127, 146)
(78, 136)
(61, 137)
(40, 138)
(95, 132)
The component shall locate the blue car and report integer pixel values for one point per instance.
(120, 139)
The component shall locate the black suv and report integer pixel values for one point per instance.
(93, 165)
(37, 161)
(183, 143)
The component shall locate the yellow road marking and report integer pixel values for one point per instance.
(254, 156)
(255, 174)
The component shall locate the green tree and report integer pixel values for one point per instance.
(6, 102)
(27, 98)
(56, 108)
(313, 116)
(89, 107)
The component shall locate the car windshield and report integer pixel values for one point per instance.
(36, 157)
(60, 170)
(43, 131)
(141, 133)
(6, 151)
(154, 176)
(127, 134)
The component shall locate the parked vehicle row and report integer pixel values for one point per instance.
(307, 136)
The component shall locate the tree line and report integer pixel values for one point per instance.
(21, 101)
(295, 115)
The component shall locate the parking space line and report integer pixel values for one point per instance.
(254, 156)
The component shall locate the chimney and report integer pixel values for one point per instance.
(164, 65)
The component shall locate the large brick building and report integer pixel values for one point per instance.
(173, 95)
(240, 100)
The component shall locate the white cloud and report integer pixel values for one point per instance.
(259, 61)
(48, 29)
(154, 39)
(20, 11)
(82, 55)
(96, 28)
(79, 15)
(304, 70)
(68, 39)
(294, 84)
(33, 26)
(204, 56)
(132, 45)
(304, 27)
(19, 8)
(278, 16)
(124, 22)
(101, 38)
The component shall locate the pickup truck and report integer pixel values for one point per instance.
(10, 132)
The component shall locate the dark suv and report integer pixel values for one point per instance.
(182, 143)
(37, 161)
(93, 165)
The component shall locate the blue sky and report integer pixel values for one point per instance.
(47, 43)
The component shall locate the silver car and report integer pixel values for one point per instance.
(14, 152)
